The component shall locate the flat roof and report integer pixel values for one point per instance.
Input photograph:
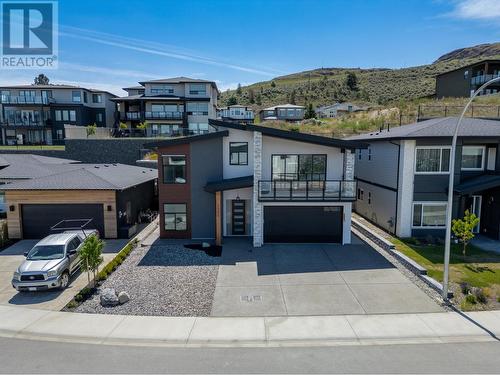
(188, 139)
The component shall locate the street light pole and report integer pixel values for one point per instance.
(449, 207)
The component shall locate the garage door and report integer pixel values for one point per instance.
(302, 224)
(38, 218)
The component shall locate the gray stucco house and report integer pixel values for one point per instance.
(403, 176)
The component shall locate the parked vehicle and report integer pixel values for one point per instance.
(51, 262)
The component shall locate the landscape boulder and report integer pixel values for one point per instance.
(123, 297)
(108, 297)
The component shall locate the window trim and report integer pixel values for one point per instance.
(440, 159)
(163, 170)
(175, 213)
(230, 153)
(483, 159)
(427, 203)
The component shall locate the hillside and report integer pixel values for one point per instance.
(375, 86)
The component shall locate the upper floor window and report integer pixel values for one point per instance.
(76, 96)
(166, 108)
(473, 158)
(162, 90)
(238, 153)
(197, 108)
(430, 214)
(299, 167)
(174, 169)
(85, 97)
(432, 160)
(96, 98)
(46, 94)
(197, 89)
(27, 93)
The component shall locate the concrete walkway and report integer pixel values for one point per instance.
(19, 322)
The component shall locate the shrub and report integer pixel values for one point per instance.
(470, 298)
(72, 304)
(412, 241)
(480, 295)
(465, 288)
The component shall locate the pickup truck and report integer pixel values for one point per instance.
(51, 262)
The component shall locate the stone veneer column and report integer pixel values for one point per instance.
(258, 238)
(349, 157)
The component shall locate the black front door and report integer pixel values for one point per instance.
(490, 217)
(238, 214)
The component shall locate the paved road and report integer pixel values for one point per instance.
(24, 356)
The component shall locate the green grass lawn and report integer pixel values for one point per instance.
(25, 147)
(478, 268)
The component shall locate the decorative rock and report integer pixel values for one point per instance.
(205, 244)
(108, 297)
(123, 297)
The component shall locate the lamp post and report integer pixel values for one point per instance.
(449, 207)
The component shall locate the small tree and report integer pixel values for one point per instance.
(463, 229)
(273, 84)
(238, 89)
(142, 126)
(251, 96)
(232, 101)
(41, 79)
(123, 126)
(310, 112)
(91, 256)
(91, 129)
(258, 99)
(351, 81)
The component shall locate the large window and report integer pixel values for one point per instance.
(429, 214)
(64, 115)
(162, 90)
(198, 89)
(175, 216)
(174, 169)
(432, 160)
(197, 108)
(472, 158)
(96, 98)
(238, 153)
(76, 96)
(166, 108)
(299, 167)
(165, 130)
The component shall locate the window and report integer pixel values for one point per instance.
(198, 89)
(472, 158)
(85, 97)
(369, 197)
(73, 244)
(65, 115)
(165, 108)
(27, 93)
(98, 117)
(429, 215)
(46, 94)
(175, 216)
(76, 96)
(238, 153)
(72, 116)
(161, 90)
(360, 194)
(198, 128)
(197, 109)
(165, 130)
(59, 134)
(96, 98)
(359, 154)
(174, 169)
(432, 160)
(58, 116)
(299, 167)
(369, 153)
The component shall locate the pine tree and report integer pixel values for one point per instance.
(232, 101)
(251, 96)
(41, 79)
(310, 112)
(238, 90)
(351, 81)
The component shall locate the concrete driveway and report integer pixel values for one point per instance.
(10, 259)
(312, 279)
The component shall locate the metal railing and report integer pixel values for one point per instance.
(477, 111)
(151, 115)
(296, 190)
(25, 123)
(479, 80)
(4, 99)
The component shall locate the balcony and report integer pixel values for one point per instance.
(479, 80)
(34, 100)
(140, 116)
(307, 191)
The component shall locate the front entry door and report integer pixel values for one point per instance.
(238, 214)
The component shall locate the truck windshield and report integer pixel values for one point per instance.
(46, 252)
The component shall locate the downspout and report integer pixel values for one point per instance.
(397, 188)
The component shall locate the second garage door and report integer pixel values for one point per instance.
(303, 224)
(37, 219)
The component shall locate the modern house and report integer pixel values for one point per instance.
(168, 107)
(403, 176)
(39, 192)
(337, 109)
(36, 114)
(236, 113)
(256, 181)
(283, 112)
(462, 82)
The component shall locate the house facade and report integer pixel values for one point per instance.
(283, 112)
(403, 176)
(236, 113)
(462, 82)
(168, 107)
(336, 110)
(36, 114)
(264, 183)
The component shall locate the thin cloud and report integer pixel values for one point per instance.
(154, 48)
(476, 10)
(108, 71)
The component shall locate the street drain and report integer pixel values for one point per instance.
(250, 298)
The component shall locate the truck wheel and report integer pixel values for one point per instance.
(64, 280)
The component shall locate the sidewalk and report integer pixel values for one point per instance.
(18, 322)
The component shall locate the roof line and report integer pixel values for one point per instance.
(188, 139)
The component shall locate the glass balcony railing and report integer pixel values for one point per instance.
(5, 99)
(297, 190)
(479, 80)
(164, 115)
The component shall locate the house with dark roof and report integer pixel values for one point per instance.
(403, 176)
(37, 114)
(169, 107)
(268, 184)
(39, 192)
(283, 112)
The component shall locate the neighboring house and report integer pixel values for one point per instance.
(284, 112)
(462, 82)
(337, 109)
(248, 180)
(403, 176)
(39, 192)
(169, 107)
(36, 114)
(236, 113)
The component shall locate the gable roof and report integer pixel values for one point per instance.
(295, 136)
(87, 177)
(436, 128)
(188, 139)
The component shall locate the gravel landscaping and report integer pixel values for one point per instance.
(167, 280)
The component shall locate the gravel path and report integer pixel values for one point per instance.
(167, 280)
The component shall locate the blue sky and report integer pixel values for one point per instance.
(111, 44)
